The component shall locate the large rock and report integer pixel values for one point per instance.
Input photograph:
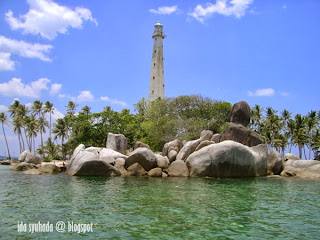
(206, 135)
(290, 156)
(228, 159)
(23, 166)
(32, 158)
(216, 138)
(188, 148)
(175, 145)
(106, 153)
(117, 142)
(86, 163)
(144, 156)
(163, 162)
(301, 168)
(76, 151)
(240, 134)
(22, 156)
(49, 168)
(29, 157)
(139, 144)
(274, 163)
(136, 170)
(204, 144)
(172, 155)
(240, 113)
(155, 172)
(178, 168)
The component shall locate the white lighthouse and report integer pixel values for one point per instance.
(156, 88)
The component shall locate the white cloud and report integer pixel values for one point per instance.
(262, 92)
(84, 96)
(5, 62)
(165, 10)
(224, 7)
(15, 88)
(47, 18)
(55, 88)
(114, 101)
(25, 49)
(3, 108)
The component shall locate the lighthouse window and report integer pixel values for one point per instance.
(153, 77)
(152, 92)
(154, 64)
(155, 51)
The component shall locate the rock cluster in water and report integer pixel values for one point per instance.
(236, 152)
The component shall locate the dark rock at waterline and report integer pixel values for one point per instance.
(23, 166)
(155, 172)
(144, 156)
(49, 168)
(240, 113)
(240, 134)
(97, 167)
(136, 170)
(228, 159)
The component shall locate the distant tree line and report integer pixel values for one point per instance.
(154, 123)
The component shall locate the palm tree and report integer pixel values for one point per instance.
(300, 133)
(61, 130)
(17, 126)
(315, 143)
(31, 130)
(48, 108)
(36, 108)
(86, 110)
(71, 109)
(51, 149)
(4, 120)
(311, 123)
(42, 124)
(256, 116)
(13, 108)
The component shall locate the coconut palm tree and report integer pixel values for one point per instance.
(17, 126)
(86, 110)
(311, 123)
(51, 149)
(60, 130)
(300, 133)
(48, 108)
(42, 124)
(36, 108)
(4, 120)
(31, 128)
(256, 116)
(71, 109)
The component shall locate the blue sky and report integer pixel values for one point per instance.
(98, 53)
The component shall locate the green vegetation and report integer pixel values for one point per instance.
(154, 123)
(281, 131)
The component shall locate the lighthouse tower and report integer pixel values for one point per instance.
(156, 88)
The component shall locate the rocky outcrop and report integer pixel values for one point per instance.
(178, 168)
(204, 144)
(290, 156)
(92, 162)
(136, 170)
(23, 166)
(144, 156)
(117, 142)
(240, 113)
(216, 138)
(301, 168)
(49, 168)
(155, 172)
(29, 157)
(139, 144)
(228, 159)
(172, 155)
(174, 145)
(206, 135)
(240, 134)
(188, 148)
(274, 163)
(163, 162)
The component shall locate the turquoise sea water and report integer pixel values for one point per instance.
(152, 208)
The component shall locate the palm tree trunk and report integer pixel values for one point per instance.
(41, 144)
(50, 124)
(300, 151)
(5, 137)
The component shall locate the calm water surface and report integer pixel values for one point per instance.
(169, 208)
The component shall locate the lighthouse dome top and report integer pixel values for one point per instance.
(158, 24)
